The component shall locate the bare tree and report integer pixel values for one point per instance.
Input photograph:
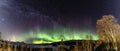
(108, 28)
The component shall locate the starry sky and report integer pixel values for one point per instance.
(18, 17)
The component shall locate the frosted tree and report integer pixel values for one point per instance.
(108, 28)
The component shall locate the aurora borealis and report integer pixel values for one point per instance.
(47, 21)
(46, 36)
(56, 36)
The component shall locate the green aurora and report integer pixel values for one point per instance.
(49, 36)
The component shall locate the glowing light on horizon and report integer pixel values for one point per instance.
(13, 38)
(56, 36)
(38, 37)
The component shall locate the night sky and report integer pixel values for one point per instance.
(20, 17)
